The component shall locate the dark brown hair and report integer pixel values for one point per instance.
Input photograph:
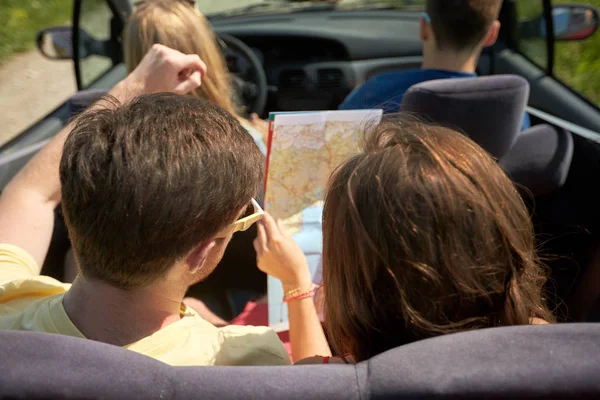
(461, 24)
(424, 235)
(145, 182)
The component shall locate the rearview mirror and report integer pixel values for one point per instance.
(574, 21)
(56, 43)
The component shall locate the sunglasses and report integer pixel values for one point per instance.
(252, 215)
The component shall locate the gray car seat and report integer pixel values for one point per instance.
(490, 111)
(540, 159)
(82, 100)
(552, 361)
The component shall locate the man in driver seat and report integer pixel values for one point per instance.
(152, 190)
(454, 33)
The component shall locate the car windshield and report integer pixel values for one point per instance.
(237, 7)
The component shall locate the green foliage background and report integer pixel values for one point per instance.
(20, 21)
(578, 63)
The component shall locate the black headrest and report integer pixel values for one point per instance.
(540, 160)
(82, 100)
(551, 361)
(488, 109)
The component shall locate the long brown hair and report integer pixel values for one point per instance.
(180, 26)
(424, 235)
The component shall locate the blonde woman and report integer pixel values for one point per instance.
(180, 26)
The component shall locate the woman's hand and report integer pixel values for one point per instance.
(280, 256)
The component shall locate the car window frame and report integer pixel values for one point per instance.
(550, 39)
(510, 19)
(121, 16)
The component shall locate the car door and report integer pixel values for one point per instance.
(97, 52)
(92, 42)
(101, 20)
(565, 81)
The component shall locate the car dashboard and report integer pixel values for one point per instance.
(312, 60)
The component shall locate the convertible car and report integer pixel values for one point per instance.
(309, 55)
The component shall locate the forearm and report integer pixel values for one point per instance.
(40, 176)
(27, 203)
(306, 333)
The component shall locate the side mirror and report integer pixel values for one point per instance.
(571, 22)
(56, 43)
(574, 21)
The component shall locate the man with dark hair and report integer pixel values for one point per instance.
(152, 185)
(454, 33)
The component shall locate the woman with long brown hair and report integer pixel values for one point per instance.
(423, 235)
(179, 25)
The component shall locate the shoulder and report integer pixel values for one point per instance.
(231, 331)
(251, 345)
(385, 87)
(393, 79)
(399, 80)
(396, 76)
(26, 302)
(15, 263)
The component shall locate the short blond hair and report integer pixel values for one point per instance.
(181, 27)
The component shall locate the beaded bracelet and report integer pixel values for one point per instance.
(299, 294)
(296, 291)
(292, 292)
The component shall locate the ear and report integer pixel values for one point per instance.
(197, 257)
(492, 34)
(424, 30)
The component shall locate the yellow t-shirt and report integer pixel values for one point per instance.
(34, 303)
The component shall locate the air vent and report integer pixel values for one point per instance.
(330, 78)
(293, 79)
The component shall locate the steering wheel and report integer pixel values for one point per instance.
(253, 89)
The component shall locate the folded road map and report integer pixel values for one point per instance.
(303, 149)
